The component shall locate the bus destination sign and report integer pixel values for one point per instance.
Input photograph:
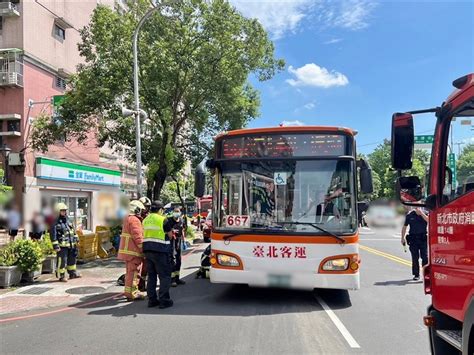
(282, 145)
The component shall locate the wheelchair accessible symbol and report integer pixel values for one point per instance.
(279, 178)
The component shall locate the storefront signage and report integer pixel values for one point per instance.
(65, 171)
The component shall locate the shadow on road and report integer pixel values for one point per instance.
(201, 298)
(397, 282)
(336, 299)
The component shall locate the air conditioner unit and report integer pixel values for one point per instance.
(16, 159)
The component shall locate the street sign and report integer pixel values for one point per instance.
(425, 139)
(452, 166)
(57, 102)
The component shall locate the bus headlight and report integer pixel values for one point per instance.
(336, 264)
(227, 260)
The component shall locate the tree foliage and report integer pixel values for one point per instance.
(465, 163)
(380, 161)
(6, 193)
(194, 69)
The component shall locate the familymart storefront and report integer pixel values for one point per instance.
(91, 192)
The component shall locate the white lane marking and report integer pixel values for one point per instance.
(366, 233)
(397, 235)
(337, 322)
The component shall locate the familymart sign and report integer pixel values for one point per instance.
(65, 171)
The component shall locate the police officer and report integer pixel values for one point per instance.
(147, 204)
(177, 225)
(416, 239)
(157, 249)
(65, 242)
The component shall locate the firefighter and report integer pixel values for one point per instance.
(147, 203)
(177, 225)
(65, 242)
(157, 249)
(131, 250)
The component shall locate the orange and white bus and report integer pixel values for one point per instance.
(284, 207)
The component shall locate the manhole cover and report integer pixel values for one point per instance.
(36, 290)
(86, 290)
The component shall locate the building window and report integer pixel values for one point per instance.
(60, 83)
(59, 33)
(13, 126)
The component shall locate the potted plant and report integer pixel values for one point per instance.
(10, 273)
(49, 255)
(30, 258)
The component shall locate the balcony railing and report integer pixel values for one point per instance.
(11, 67)
(9, 9)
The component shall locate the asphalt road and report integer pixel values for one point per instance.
(383, 317)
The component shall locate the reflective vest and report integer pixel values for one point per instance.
(154, 236)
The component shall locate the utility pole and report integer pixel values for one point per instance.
(136, 113)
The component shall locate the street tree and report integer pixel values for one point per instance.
(380, 162)
(377, 184)
(465, 164)
(195, 60)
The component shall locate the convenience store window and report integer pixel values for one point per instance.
(79, 210)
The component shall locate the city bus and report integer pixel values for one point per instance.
(285, 207)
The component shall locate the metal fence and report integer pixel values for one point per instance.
(11, 68)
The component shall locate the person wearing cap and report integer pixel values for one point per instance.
(65, 241)
(131, 250)
(417, 239)
(157, 249)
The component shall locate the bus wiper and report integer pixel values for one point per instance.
(341, 240)
(228, 237)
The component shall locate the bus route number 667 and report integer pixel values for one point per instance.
(237, 221)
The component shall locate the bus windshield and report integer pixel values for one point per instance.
(294, 196)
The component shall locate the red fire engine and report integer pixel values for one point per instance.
(449, 197)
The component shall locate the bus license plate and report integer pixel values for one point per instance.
(279, 280)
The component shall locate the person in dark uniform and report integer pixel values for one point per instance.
(157, 249)
(65, 242)
(416, 239)
(177, 225)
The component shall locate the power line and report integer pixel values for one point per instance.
(380, 142)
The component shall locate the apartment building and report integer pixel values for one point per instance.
(38, 51)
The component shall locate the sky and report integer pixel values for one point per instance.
(353, 63)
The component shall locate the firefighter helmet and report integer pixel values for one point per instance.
(136, 207)
(61, 207)
(146, 201)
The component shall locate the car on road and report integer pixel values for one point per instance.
(381, 216)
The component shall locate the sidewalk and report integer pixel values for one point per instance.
(98, 277)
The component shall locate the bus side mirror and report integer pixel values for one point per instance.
(365, 177)
(403, 140)
(200, 180)
(409, 189)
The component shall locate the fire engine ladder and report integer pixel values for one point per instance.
(452, 337)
